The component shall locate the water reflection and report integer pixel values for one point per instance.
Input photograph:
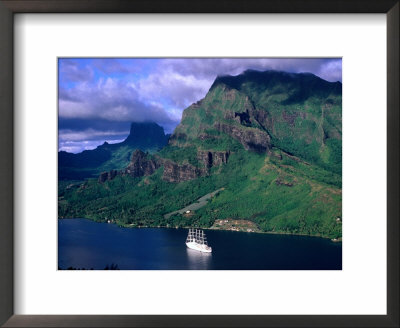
(198, 260)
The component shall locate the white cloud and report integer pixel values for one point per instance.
(171, 87)
(110, 99)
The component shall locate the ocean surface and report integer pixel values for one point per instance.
(84, 244)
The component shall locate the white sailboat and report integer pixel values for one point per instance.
(197, 240)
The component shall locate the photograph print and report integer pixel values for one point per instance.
(199, 164)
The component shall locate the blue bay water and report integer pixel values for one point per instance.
(86, 244)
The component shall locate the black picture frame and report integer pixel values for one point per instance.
(10, 7)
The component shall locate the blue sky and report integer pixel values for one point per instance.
(99, 97)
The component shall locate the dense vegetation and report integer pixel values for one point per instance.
(294, 187)
(289, 197)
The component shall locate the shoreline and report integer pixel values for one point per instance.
(131, 226)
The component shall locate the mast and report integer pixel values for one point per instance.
(197, 236)
(190, 237)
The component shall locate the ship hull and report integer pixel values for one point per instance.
(199, 247)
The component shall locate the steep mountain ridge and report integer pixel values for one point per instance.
(298, 113)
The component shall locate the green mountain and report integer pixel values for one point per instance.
(146, 136)
(269, 143)
(298, 113)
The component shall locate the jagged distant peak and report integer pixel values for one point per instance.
(145, 123)
(140, 130)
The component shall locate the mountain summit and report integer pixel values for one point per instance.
(300, 114)
(146, 135)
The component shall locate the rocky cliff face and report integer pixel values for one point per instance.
(212, 158)
(141, 165)
(174, 172)
(107, 176)
(250, 138)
